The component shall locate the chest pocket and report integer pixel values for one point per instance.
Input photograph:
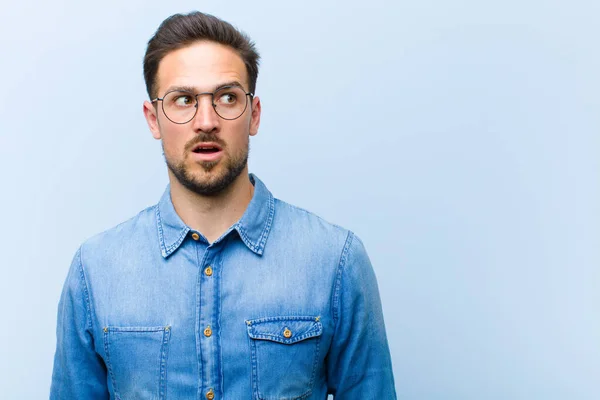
(284, 356)
(136, 358)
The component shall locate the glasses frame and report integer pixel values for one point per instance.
(212, 101)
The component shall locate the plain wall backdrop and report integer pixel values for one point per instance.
(459, 140)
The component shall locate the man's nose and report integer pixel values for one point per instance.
(206, 118)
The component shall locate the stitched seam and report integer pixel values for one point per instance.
(278, 339)
(197, 328)
(315, 330)
(267, 228)
(314, 371)
(164, 354)
(176, 244)
(109, 364)
(335, 303)
(262, 240)
(167, 250)
(219, 276)
(247, 239)
(160, 232)
(254, 360)
(89, 315)
(282, 318)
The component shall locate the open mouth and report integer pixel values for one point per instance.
(206, 148)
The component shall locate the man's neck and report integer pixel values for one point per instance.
(212, 215)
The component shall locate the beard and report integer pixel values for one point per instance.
(220, 179)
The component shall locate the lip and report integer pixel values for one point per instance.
(206, 145)
(207, 156)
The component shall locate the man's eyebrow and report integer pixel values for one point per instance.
(192, 89)
(232, 83)
(183, 88)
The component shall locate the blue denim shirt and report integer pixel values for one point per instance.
(283, 306)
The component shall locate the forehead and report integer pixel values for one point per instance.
(203, 65)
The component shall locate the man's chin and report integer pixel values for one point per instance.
(207, 178)
(207, 183)
(208, 166)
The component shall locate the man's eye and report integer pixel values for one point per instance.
(183, 101)
(227, 99)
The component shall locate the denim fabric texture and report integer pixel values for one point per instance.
(282, 306)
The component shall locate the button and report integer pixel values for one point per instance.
(208, 331)
(195, 236)
(208, 271)
(210, 395)
(287, 333)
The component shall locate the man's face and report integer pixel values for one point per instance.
(208, 153)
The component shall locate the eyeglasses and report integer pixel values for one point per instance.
(180, 107)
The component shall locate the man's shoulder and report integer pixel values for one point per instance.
(131, 230)
(298, 228)
(302, 219)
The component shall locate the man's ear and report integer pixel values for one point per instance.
(255, 118)
(150, 113)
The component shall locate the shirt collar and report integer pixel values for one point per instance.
(253, 227)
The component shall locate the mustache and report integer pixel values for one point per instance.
(204, 138)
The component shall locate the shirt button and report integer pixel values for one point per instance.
(210, 395)
(195, 236)
(287, 333)
(208, 331)
(208, 271)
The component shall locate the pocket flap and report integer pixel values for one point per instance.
(286, 330)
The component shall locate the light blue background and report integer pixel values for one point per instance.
(460, 140)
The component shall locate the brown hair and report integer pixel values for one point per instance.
(181, 30)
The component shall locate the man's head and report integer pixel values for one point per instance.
(181, 30)
(205, 143)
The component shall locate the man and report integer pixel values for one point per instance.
(219, 291)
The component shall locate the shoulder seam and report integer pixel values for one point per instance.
(335, 304)
(88, 303)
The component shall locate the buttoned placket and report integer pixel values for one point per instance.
(207, 319)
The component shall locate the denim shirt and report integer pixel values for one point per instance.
(282, 306)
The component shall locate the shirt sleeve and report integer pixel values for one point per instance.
(359, 363)
(79, 372)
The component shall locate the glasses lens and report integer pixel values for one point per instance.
(179, 107)
(230, 102)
